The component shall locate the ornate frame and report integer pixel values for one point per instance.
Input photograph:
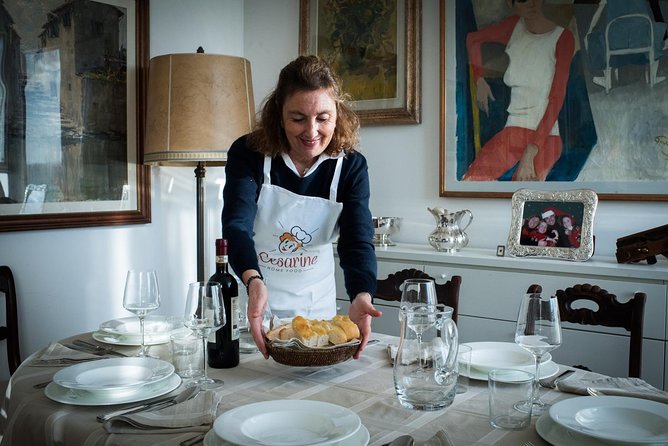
(129, 209)
(406, 107)
(585, 198)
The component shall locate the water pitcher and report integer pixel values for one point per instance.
(449, 235)
(425, 367)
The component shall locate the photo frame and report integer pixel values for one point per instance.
(374, 47)
(552, 224)
(606, 145)
(73, 156)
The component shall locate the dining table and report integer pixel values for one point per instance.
(364, 385)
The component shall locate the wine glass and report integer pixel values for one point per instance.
(204, 314)
(538, 331)
(418, 292)
(141, 296)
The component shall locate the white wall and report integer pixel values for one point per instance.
(71, 280)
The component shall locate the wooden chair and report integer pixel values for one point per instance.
(446, 293)
(609, 312)
(10, 331)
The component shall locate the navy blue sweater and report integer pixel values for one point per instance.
(243, 182)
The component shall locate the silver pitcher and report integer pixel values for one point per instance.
(449, 235)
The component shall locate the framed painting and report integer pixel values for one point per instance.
(565, 110)
(73, 82)
(374, 48)
(553, 224)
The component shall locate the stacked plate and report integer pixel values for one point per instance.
(288, 423)
(112, 381)
(605, 421)
(486, 356)
(126, 331)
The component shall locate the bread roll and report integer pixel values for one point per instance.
(304, 331)
(337, 335)
(287, 333)
(274, 333)
(349, 327)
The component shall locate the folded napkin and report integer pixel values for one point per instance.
(632, 387)
(195, 415)
(57, 354)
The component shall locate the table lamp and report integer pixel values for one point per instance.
(197, 105)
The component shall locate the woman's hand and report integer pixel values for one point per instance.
(526, 170)
(360, 312)
(257, 304)
(483, 94)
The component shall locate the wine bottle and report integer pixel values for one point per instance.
(223, 346)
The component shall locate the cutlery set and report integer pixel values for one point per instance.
(185, 395)
(88, 347)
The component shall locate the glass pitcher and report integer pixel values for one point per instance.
(425, 367)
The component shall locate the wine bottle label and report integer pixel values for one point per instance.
(235, 314)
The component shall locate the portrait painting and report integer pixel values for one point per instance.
(565, 93)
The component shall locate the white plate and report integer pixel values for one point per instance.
(558, 435)
(113, 374)
(126, 331)
(85, 398)
(546, 370)
(614, 418)
(359, 438)
(486, 356)
(287, 423)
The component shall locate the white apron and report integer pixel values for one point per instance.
(293, 239)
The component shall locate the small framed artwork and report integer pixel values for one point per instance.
(553, 224)
(374, 48)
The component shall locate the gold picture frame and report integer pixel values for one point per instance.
(93, 174)
(552, 224)
(379, 64)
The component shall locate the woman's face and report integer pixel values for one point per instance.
(309, 120)
(533, 222)
(527, 8)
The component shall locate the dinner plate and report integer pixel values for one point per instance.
(287, 423)
(359, 438)
(62, 394)
(558, 435)
(486, 356)
(114, 374)
(126, 331)
(546, 370)
(624, 420)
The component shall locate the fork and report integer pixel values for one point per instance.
(527, 443)
(98, 348)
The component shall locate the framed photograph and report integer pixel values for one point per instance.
(553, 224)
(73, 82)
(596, 115)
(374, 48)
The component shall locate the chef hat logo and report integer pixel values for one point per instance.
(302, 236)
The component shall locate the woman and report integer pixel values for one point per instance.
(540, 54)
(293, 186)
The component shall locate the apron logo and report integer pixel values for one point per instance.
(290, 243)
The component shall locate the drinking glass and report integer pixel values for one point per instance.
(141, 296)
(418, 292)
(538, 331)
(204, 314)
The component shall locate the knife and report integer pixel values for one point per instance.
(186, 394)
(98, 348)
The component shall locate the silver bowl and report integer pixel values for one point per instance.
(383, 228)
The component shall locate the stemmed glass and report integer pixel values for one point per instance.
(141, 296)
(538, 331)
(204, 314)
(418, 295)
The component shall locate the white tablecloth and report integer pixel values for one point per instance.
(363, 385)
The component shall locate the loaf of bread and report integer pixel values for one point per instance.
(316, 333)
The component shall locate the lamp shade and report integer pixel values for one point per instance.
(197, 105)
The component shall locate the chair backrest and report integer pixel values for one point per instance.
(609, 312)
(447, 293)
(10, 332)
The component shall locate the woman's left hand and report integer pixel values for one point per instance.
(360, 312)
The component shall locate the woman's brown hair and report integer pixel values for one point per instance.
(305, 73)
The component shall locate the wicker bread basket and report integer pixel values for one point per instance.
(301, 356)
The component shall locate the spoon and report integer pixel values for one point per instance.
(404, 440)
